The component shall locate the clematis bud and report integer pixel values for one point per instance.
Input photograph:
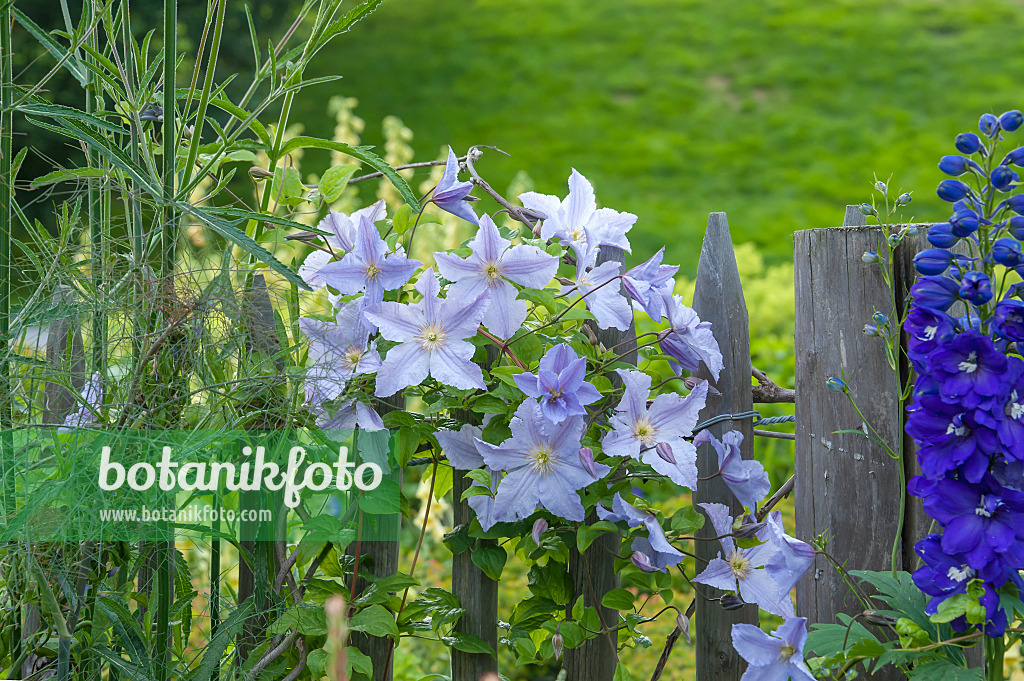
(967, 143)
(932, 261)
(690, 382)
(952, 190)
(1003, 178)
(836, 385)
(870, 257)
(989, 125)
(664, 450)
(683, 625)
(540, 526)
(879, 619)
(748, 530)
(557, 643)
(587, 459)
(904, 199)
(731, 602)
(867, 209)
(1011, 120)
(641, 560)
(871, 330)
(941, 235)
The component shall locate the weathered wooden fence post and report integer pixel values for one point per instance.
(65, 355)
(593, 573)
(718, 298)
(846, 484)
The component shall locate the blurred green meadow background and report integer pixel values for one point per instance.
(778, 112)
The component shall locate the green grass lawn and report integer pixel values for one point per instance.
(778, 112)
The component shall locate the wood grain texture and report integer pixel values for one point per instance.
(718, 298)
(65, 355)
(593, 573)
(846, 485)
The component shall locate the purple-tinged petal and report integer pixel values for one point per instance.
(529, 266)
(505, 314)
(722, 522)
(675, 416)
(717, 574)
(310, 268)
(453, 365)
(454, 268)
(488, 244)
(755, 646)
(459, 446)
(406, 364)
(684, 471)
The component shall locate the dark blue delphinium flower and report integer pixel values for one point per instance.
(964, 222)
(957, 165)
(1008, 319)
(942, 575)
(1003, 178)
(968, 367)
(968, 143)
(952, 190)
(941, 235)
(935, 293)
(1007, 252)
(926, 329)
(1015, 157)
(1009, 413)
(976, 287)
(949, 439)
(980, 521)
(989, 125)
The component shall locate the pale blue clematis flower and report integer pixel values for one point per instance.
(543, 466)
(490, 270)
(459, 446)
(690, 340)
(431, 340)
(648, 284)
(347, 415)
(776, 657)
(88, 412)
(577, 219)
(450, 194)
(637, 430)
(559, 384)
(342, 231)
(657, 552)
(793, 558)
(746, 478)
(600, 293)
(743, 569)
(337, 351)
(369, 267)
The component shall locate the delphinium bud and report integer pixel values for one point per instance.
(1015, 225)
(880, 186)
(904, 199)
(1003, 178)
(1007, 252)
(932, 261)
(1011, 120)
(912, 230)
(880, 318)
(1015, 157)
(1014, 203)
(587, 459)
(976, 287)
(871, 330)
(989, 125)
(894, 240)
(540, 526)
(964, 223)
(941, 235)
(955, 165)
(664, 451)
(731, 602)
(870, 257)
(867, 209)
(952, 190)
(968, 143)
(836, 385)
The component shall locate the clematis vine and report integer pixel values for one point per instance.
(638, 430)
(431, 337)
(559, 384)
(656, 554)
(491, 271)
(342, 230)
(542, 465)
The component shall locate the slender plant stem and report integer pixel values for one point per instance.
(995, 650)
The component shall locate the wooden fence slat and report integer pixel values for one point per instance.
(718, 298)
(593, 573)
(65, 353)
(845, 484)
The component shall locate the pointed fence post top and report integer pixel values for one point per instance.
(854, 218)
(718, 291)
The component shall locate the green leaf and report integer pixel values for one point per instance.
(618, 599)
(458, 539)
(375, 620)
(622, 674)
(242, 115)
(68, 175)
(383, 500)
(586, 535)
(944, 670)
(491, 559)
(481, 476)
(910, 633)
(287, 188)
(52, 46)
(469, 643)
(361, 153)
(687, 520)
(403, 219)
(488, 404)
(334, 181)
(305, 619)
(357, 661)
(552, 582)
(226, 633)
(345, 23)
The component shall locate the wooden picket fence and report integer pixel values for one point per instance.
(844, 484)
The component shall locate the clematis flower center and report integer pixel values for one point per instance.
(554, 393)
(959, 574)
(492, 273)
(578, 234)
(372, 271)
(739, 564)
(645, 431)
(431, 337)
(353, 355)
(786, 652)
(970, 365)
(541, 459)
